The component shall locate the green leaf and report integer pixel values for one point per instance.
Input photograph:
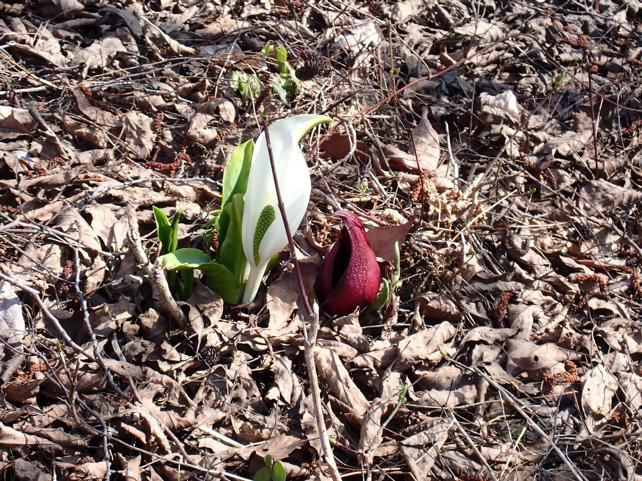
(383, 296)
(267, 49)
(237, 171)
(235, 175)
(173, 233)
(263, 474)
(184, 259)
(220, 279)
(230, 252)
(167, 232)
(163, 229)
(278, 471)
(281, 55)
(248, 86)
(280, 92)
(187, 283)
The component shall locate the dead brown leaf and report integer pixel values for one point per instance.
(137, 133)
(427, 344)
(420, 451)
(16, 119)
(336, 376)
(598, 391)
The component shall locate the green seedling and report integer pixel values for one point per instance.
(389, 286)
(287, 84)
(167, 233)
(272, 471)
(248, 86)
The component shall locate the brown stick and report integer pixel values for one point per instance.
(309, 340)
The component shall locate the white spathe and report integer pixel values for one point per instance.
(294, 184)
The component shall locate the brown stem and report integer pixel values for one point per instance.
(308, 344)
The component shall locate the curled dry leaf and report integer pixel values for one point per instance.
(489, 335)
(95, 137)
(383, 238)
(602, 196)
(137, 133)
(537, 359)
(286, 380)
(282, 298)
(427, 344)
(80, 231)
(487, 31)
(426, 153)
(371, 433)
(99, 53)
(16, 119)
(598, 391)
(438, 307)
(338, 145)
(12, 322)
(13, 439)
(97, 115)
(337, 378)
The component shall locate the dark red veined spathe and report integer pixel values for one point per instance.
(350, 275)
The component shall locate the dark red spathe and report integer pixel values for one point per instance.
(350, 275)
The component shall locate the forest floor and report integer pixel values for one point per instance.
(498, 142)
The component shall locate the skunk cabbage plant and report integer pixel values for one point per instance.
(263, 232)
(249, 225)
(350, 275)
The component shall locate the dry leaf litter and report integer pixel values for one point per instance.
(498, 142)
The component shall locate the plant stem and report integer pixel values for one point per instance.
(308, 345)
(253, 282)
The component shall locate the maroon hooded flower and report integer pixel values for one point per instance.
(350, 275)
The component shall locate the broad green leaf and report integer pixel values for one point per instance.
(263, 474)
(235, 175)
(278, 471)
(220, 279)
(237, 170)
(230, 252)
(184, 259)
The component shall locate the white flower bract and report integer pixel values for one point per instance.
(263, 231)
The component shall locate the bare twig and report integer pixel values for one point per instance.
(90, 329)
(48, 314)
(474, 447)
(155, 272)
(517, 405)
(308, 336)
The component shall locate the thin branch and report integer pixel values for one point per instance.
(309, 337)
(517, 405)
(47, 313)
